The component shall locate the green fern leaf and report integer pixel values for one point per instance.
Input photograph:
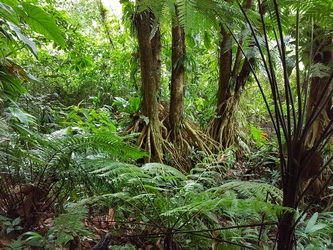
(164, 170)
(251, 190)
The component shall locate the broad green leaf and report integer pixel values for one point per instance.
(7, 13)
(32, 78)
(21, 116)
(23, 38)
(312, 227)
(32, 236)
(311, 222)
(12, 3)
(145, 119)
(10, 84)
(117, 103)
(163, 170)
(42, 23)
(7, 223)
(17, 221)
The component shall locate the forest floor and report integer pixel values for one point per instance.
(131, 234)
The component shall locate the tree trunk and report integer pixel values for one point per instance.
(221, 123)
(233, 76)
(286, 229)
(304, 162)
(150, 64)
(232, 80)
(177, 82)
(318, 94)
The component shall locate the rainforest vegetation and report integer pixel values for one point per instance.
(175, 124)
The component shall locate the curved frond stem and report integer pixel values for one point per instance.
(300, 121)
(277, 119)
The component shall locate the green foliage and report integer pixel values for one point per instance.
(9, 225)
(130, 107)
(169, 203)
(15, 245)
(125, 247)
(315, 232)
(257, 135)
(37, 20)
(91, 120)
(55, 162)
(11, 21)
(292, 119)
(65, 227)
(70, 224)
(18, 21)
(80, 157)
(41, 22)
(194, 15)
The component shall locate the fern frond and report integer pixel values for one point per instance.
(251, 190)
(188, 14)
(319, 12)
(155, 169)
(16, 245)
(70, 224)
(221, 12)
(320, 70)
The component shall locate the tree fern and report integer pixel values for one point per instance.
(319, 12)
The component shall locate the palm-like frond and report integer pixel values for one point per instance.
(253, 190)
(188, 14)
(58, 166)
(195, 15)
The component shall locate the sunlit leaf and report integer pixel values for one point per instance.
(42, 23)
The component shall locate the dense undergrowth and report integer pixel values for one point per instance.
(81, 179)
(70, 172)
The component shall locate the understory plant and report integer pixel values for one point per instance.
(40, 172)
(158, 203)
(65, 228)
(301, 97)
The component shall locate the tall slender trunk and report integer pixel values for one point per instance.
(304, 161)
(177, 81)
(223, 110)
(149, 62)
